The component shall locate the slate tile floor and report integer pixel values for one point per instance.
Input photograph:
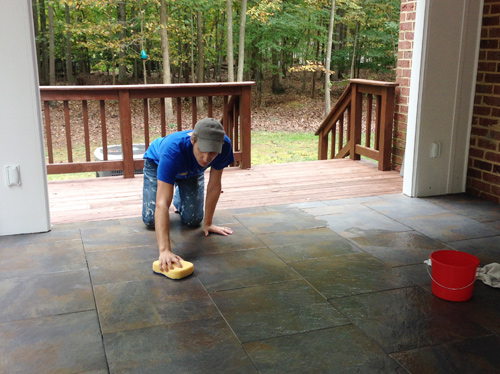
(323, 287)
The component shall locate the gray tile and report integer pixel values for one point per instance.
(121, 265)
(419, 274)
(68, 343)
(151, 302)
(44, 258)
(106, 238)
(408, 318)
(274, 310)
(203, 346)
(336, 350)
(486, 249)
(305, 244)
(349, 275)
(478, 355)
(448, 227)
(289, 220)
(401, 206)
(197, 244)
(45, 295)
(42, 238)
(473, 207)
(242, 269)
(399, 248)
(302, 205)
(354, 200)
(356, 220)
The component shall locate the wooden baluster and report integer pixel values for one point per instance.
(341, 131)
(334, 138)
(68, 131)
(210, 108)
(378, 110)
(162, 117)
(48, 131)
(225, 113)
(194, 109)
(236, 129)
(86, 134)
(179, 114)
(369, 109)
(104, 131)
(145, 106)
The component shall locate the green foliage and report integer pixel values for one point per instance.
(293, 30)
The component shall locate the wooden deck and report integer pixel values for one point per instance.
(117, 197)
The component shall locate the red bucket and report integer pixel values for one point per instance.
(453, 274)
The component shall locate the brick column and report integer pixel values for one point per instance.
(483, 175)
(403, 73)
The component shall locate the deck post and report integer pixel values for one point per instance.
(126, 133)
(246, 123)
(355, 121)
(386, 118)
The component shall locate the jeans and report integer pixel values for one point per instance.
(188, 197)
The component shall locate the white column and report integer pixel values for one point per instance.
(24, 205)
(443, 79)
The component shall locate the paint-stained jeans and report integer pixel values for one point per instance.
(188, 197)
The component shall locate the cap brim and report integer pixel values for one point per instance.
(210, 145)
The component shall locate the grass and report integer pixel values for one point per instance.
(282, 147)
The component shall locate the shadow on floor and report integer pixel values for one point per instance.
(325, 287)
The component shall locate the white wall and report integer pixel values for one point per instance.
(24, 208)
(443, 79)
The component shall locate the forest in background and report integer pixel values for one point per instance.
(101, 41)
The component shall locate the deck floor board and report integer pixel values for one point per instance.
(117, 197)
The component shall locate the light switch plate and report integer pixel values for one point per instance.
(13, 175)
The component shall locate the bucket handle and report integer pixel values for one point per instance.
(429, 264)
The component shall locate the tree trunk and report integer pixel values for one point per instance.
(328, 60)
(201, 56)
(230, 54)
(52, 59)
(69, 61)
(241, 51)
(122, 18)
(354, 52)
(44, 44)
(167, 76)
(192, 50)
(276, 85)
(34, 4)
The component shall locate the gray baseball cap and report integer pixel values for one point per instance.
(210, 135)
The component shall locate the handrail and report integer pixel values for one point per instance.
(238, 133)
(348, 139)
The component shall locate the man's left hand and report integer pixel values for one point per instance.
(225, 231)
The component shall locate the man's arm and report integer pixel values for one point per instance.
(164, 196)
(214, 189)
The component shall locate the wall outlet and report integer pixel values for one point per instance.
(13, 175)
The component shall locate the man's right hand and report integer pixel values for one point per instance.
(167, 259)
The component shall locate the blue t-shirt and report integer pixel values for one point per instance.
(175, 158)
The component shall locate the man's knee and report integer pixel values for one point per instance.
(149, 222)
(193, 220)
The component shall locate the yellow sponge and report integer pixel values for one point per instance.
(176, 272)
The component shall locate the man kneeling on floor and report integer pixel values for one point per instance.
(177, 163)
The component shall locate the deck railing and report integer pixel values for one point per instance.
(340, 134)
(235, 115)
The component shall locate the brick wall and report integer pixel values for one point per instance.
(403, 73)
(483, 176)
